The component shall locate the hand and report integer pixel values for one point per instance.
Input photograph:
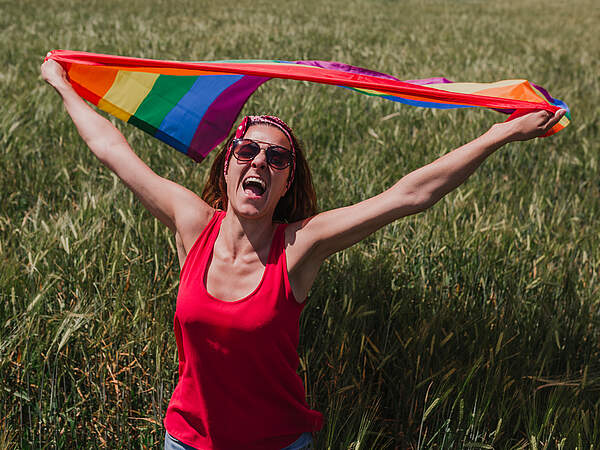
(54, 74)
(532, 125)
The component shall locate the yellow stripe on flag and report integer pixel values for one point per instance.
(472, 88)
(126, 93)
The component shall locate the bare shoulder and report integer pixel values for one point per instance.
(302, 238)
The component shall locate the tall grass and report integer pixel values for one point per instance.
(474, 325)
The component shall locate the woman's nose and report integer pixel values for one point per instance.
(260, 160)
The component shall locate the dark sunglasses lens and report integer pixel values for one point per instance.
(278, 157)
(245, 150)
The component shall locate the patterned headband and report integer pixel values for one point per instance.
(272, 120)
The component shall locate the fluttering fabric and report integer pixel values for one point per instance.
(192, 106)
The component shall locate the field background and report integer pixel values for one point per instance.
(473, 325)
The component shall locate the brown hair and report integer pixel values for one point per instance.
(299, 202)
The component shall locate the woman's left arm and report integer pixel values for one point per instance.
(331, 231)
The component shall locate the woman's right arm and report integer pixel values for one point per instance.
(184, 212)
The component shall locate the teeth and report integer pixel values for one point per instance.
(256, 180)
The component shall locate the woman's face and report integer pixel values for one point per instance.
(254, 188)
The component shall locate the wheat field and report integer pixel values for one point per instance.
(473, 325)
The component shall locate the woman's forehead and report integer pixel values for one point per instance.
(267, 133)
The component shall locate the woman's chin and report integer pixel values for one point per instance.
(253, 207)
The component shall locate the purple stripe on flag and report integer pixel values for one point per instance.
(425, 81)
(220, 116)
(544, 93)
(554, 101)
(333, 65)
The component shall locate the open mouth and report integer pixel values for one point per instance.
(254, 186)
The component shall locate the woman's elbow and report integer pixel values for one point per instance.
(415, 202)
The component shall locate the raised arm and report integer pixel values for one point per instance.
(316, 238)
(184, 212)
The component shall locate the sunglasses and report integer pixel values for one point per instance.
(245, 150)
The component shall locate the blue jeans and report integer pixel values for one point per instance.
(304, 442)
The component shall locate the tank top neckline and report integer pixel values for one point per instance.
(214, 233)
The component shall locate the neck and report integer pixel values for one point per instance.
(241, 236)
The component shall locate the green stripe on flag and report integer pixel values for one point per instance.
(165, 94)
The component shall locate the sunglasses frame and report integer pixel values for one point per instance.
(236, 144)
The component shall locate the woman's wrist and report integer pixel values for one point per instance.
(501, 133)
(63, 87)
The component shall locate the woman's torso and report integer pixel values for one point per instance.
(238, 386)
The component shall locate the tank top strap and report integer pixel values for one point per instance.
(278, 243)
(277, 267)
(196, 257)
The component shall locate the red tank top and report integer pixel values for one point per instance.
(238, 387)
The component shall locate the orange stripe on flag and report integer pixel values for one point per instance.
(522, 91)
(96, 79)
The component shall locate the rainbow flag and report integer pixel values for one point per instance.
(192, 106)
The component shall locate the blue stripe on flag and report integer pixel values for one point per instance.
(179, 125)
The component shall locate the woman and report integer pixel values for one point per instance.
(245, 276)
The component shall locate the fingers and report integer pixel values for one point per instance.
(528, 124)
(51, 64)
(554, 119)
(54, 74)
